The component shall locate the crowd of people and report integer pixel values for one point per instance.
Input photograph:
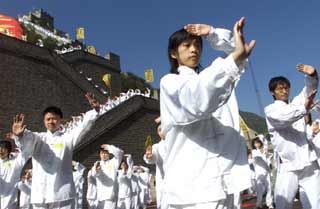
(202, 160)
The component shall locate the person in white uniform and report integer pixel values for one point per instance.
(135, 204)
(125, 183)
(154, 155)
(78, 170)
(144, 184)
(25, 190)
(11, 165)
(105, 172)
(92, 191)
(206, 160)
(262, 173)
(51, 152)
(297, 169)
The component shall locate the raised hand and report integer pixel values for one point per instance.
(309, 104)
(198, 29)
(149, 153)
(92, 101)
(315, 128)
(242, 50)
(18, 126)
(98, 166)
(306, 69)
(104, 146)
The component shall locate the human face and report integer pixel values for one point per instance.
(281, 92)
(4, 153)
(124, 166)
(52, 121)
(188, 53)
(104, 155)
(257, 144)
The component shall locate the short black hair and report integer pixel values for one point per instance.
(53, 109)
(175, 40)
(6, 144)
(257, 139)
(275, 81)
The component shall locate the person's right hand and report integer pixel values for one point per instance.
(18, 126)
(309, 104)
(198, 29)
(242, 50)
(98, 166)
(149, 153)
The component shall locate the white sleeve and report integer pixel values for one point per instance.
(27, 143)
(117, 153)
(155, 155)
(187, 99)
(311, 83)
(80, 168)
(282, 116)
(24, 187)
(221, 39)
(77, 133)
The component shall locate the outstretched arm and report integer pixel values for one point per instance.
(185, 100)
(77, 133)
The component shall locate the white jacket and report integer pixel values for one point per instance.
(206, 155)
(10, 171)
(287, 126)
(52, 160)
(107, 177)
(25, 192)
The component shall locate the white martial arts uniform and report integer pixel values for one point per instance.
(10, 171)
(53, 185)
(124, 190)
(125, 186)
(107, 179)
(206, 160)
(135, 204)
(78, 183)
(144, 184)
(25, 193)
(158, 153)
(298, 169)
(92, 191)
(263, 178)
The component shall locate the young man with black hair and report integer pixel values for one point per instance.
(51, 152)
(298, 169)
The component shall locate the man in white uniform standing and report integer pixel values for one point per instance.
(206, 160)
(298, 169)
(51, 152)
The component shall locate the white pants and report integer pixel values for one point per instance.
(124, 203)
(263, 184)
(135, 201)
(67, 204)
(92, 204)
(306, 181)
(106, 204)
(228, 203)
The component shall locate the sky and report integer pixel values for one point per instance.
(287, 33)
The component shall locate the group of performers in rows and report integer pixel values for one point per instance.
(202, 158)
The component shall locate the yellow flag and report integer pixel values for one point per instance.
(107, 80)
(243, 126)
(148, 141)
(148, 74)
(80, 33)
(92, 50)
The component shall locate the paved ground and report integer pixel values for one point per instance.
(247, 203)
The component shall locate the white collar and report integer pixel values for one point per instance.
(186, 70)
